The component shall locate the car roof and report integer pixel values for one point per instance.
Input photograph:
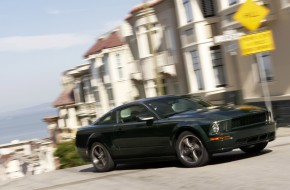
(155, 98)
(143, 100)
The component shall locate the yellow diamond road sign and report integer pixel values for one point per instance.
(250, 15)
(258, 42)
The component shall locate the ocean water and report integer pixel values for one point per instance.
(25, 124)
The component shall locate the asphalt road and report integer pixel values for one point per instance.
(235, 170)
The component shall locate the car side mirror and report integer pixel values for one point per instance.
(145, 117)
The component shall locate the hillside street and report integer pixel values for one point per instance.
(234, 170)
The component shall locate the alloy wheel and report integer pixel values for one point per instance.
(190, 148)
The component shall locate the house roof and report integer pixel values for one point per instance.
(65, 98)
(113, 40)
(50, 119)
(142, 6)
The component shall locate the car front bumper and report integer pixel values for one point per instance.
(243, 136)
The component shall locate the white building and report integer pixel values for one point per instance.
(76, 104)
(198, 23)
(156, 48)
(217, 70)
(21, 158)
(111, 67)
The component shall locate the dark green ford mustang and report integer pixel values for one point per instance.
(168, 127)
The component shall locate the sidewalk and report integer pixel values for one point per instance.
(283, 131)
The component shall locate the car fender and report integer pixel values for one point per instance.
(97, 137)
(188, 126)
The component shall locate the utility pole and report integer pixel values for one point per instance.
(153, 51)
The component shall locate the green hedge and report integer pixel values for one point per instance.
(67, 155)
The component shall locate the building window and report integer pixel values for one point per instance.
(96, 93)
(188, 10)
(188, 36)
(217, 63)
(80, 91)
(233, 2)
(86, 84)
(165, 86)
(105, 70)
(119, 66)
(197, 69)
(208, 8)
(169, 39)
(146, 46)
(110, 92)
(266, 63)
(94, 72)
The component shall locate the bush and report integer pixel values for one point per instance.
(67, 155)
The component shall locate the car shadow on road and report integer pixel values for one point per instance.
(217, 159)
(149, 165)
(90, 170)
(141, 166)
(235, 156)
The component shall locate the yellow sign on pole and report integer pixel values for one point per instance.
(258, 42)
(250, 15)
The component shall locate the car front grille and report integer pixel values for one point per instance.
(255, 139)
(258, 118)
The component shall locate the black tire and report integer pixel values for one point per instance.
(101, 158)
(190, 150)
(254, 148)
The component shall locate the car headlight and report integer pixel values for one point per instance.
(215, 128)
(219, 127)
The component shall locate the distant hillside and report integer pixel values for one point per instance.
(25, 124)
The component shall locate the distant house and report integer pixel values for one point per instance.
(76, 104)
(21, 158)
(91, 89)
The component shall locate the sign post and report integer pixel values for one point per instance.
(250, 15)
(264, 84)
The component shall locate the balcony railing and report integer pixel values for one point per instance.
(165, 61)
(86, 109)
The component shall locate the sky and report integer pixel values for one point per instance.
(39, 39)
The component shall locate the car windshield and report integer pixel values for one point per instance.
(167, 107)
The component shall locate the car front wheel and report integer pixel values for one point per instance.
(254, 148)
(190, 150)
(101, 158)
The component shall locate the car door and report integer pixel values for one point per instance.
(133, 137)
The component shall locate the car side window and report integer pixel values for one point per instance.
(129, 114)
(108, 119)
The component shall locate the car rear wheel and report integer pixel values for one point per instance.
(190, 150)
(101, 158)
(254, 148)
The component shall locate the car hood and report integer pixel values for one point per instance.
(217, 113)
